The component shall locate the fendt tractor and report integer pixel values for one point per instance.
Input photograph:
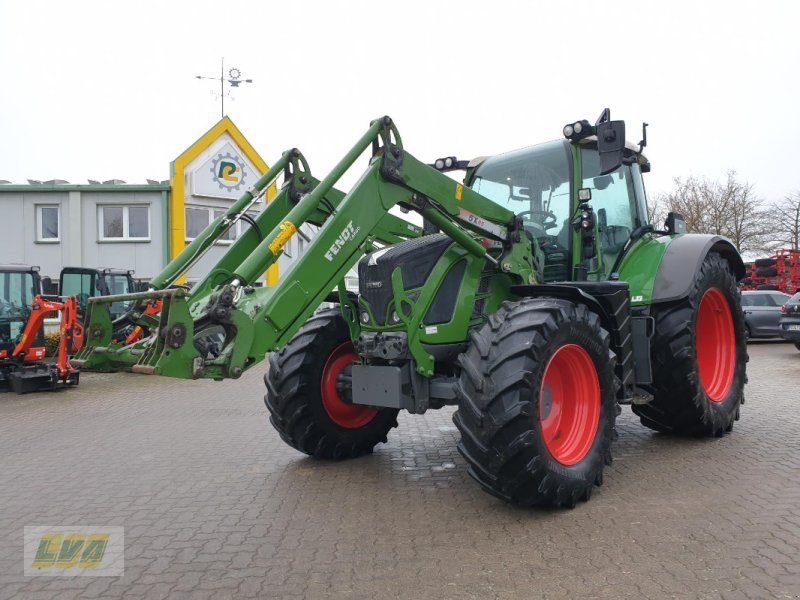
(536, 298)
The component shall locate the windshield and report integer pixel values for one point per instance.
(85, 284)
(534, 183)
(16, 294)
(118, 284)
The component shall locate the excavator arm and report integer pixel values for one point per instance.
(225, 325)
(70, 330)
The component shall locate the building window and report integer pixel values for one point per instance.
(129, 223)
(199, 217)
(48, 226)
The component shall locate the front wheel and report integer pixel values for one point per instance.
(309, 391)
(699, 357)
(537, 403)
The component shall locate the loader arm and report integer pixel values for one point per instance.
(225, 325)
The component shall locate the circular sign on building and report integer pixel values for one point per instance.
(228, 171)
(222, 173)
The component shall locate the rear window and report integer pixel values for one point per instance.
(795, 299)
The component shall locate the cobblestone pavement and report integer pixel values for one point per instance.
(214, 505)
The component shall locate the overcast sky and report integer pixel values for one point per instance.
(107, 90)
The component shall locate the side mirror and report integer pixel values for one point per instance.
(675, 223)
(610, 145)
(602, 219)
(602, 182)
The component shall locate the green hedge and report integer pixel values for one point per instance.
(51, 343)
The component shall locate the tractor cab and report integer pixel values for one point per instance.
(579, 200)
(85, 283)
(19, 285)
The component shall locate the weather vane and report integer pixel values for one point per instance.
(234, 79)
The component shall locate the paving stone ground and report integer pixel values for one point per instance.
(214, 505)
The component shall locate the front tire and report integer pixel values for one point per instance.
(537, 403)
(699, 357)
(307, 393)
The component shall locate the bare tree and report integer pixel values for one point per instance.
(730, 208)
(786, 222)
(657, 210)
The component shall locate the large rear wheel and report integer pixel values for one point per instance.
(537, 403)
(699, 357)
(309, 393)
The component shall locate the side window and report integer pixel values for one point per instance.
(762, 300)
(778, 299)
(614, 204)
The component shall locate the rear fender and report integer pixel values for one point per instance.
(663, 269)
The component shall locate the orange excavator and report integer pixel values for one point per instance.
(19, 374)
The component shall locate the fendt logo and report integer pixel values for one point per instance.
(97, 551)
(347, 234)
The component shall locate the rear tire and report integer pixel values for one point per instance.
(537, 403)
(305, 406)
(699, 357)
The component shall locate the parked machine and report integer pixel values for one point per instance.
(780, 272)
(540, 300)
(87, 282)
(21, 366)
(19, 285)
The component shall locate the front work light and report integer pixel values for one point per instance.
(449, 163)
(578, 130)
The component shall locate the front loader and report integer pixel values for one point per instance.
(538, 301)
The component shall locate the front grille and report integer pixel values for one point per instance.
(416, 258)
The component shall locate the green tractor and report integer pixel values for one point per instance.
(537, 298)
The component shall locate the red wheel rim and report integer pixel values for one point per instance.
(569, 404)
(344, 414)
(715, 344)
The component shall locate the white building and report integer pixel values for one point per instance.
(137, 226)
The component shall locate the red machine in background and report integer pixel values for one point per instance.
(21, 374)
(781, 271)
